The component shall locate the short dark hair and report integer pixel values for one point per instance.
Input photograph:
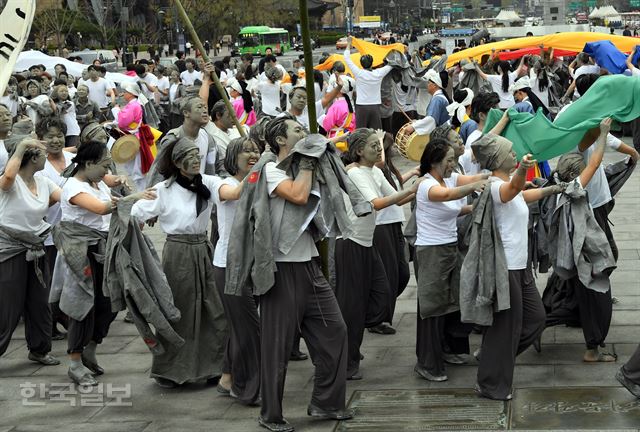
(234, 148)
(45, 123)
(356, 142)
(246, 57)
(93, 67)
(433, 153)
(366, 61)
(190, 60)
(89, 152)
(277, 128)
(140, 69)
(482, 103)
(220, 107)
(270, 58)
(585, 81)
(293, 91)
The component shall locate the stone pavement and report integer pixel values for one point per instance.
(388, 365)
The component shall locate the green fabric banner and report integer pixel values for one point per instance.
(615, 96)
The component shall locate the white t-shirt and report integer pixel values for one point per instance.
(303, 118)
(24, 211)
(173, 91)
(77, 214)
(391, 214)
(163, 83)
(206, 156)
(436, 221)
(635, 72)
(12, 103)
(226, 211)
(543, 95)
(32, 113)
(506, 98)
(55, 213)
(4, 156)
(372, 184)
(368, 82)
(304, 249)
(473, 137)
(98, 91)
(188, 78)
(175, 207)
(270, 97)
(150, 79)
(512, 219)
(69, 118)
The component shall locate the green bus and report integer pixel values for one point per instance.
(256, 39)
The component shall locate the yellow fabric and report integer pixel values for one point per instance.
(285, 79)
(378, 52)
(156, 136)
(570, 41)
(342, 145)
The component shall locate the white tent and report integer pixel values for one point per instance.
(508, 16)
(33, 57)
(608, 11)
(595, 13)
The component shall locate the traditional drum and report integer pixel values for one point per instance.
(411, 145)
(126, 146)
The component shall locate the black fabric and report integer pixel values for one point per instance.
(390, 244)
(242, 355)
(196, 186)
(631, 369)
(95, 326)
(601, 215)
(512, 332)
(362, 293)
(368, 116)
(22, 294)
(301, 299)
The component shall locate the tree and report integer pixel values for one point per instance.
(57, 23)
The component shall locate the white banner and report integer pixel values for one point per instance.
(16, 18)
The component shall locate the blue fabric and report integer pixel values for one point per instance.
(607, 56)
(438, 109)
(636, 56)
(466, 129)
(524, 107)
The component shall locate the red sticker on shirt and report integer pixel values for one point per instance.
(87, 271)
(253, 177)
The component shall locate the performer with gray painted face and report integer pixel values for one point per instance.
(183, 209)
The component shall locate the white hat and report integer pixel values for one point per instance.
(234, 84)
(131, 88)
(348, 84)
(520, 84)
(434, 77)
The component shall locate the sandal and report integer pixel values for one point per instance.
(602, 358)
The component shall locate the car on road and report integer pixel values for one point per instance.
(341, 43)
(106, 57)
(168, 61)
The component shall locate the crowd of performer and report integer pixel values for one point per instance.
(274, 234)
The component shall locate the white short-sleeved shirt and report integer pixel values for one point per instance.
(175, 207)
(372, 184)
(635, 72)
(4, 156)
(391, 214)
(152, 80)
(512, 219)
(226, 211)
(436, 221)
(473, 137)
(506, 97)
(543, 95)
(303, 118)
(74, 213)
(12, 103)
(55, 213)
(70, 120)
(21, 210)
(98, 91)
(270, 97)
(206, 156)
(304, 249)
(188, 78)
(598, 187)
(31, 112)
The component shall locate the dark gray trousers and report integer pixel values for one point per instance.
(242, 354)
(94, 326)
(512, 332)
(390, 244)
(635, 124)
(21, 293)
(301, 299)
(368, 116)
(362, 293)
(631, 369)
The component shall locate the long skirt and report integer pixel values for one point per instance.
(389, 241)
(21, 293)
(513, 331)
(361, 291)
(187, 261)
(242, 354)
(368, 116)
(438, 320)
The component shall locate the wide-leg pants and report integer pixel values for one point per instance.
(631, 369)
(301, 299)
(513, 331)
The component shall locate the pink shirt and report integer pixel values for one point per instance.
(238, 105)
(336, 117)
(130, 113)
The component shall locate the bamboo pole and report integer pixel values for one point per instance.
(308, 67)
(196, 40)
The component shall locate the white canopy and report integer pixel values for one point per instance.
(508, 16)
(608, 11)
(27, 59)
(595, 13)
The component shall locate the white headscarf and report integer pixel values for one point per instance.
(434, 77)
(460, 108)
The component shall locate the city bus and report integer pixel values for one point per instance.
(256, 39)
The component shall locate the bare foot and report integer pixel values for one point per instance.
(226, 381)
(594, 356)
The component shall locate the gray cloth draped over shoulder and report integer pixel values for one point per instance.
(618, 173)
(250, 250)
(13, 242)
(134, 279)
(72, 283)
(577, 244)
(484, 278)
